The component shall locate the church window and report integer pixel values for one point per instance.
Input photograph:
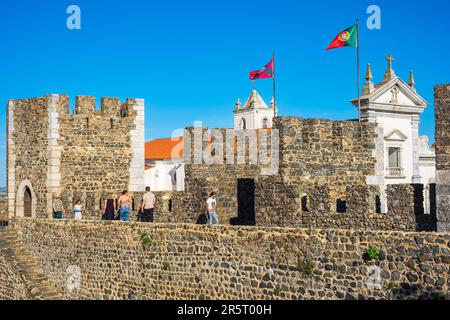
(265, 123)
(243, 124)
(395, 166)
(394, 157)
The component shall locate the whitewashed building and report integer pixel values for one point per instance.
(403, 156)
(254, 114)
(164, 169)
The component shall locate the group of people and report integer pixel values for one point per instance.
(59, 210)
(124, 205)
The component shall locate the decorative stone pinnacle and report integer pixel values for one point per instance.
(238, 103)
(369, 87)
(411, 82)
(390, 74)
(369, 75)
(272, 103)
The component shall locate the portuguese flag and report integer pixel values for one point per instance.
(346, 38)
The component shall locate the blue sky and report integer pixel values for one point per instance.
(190, 59)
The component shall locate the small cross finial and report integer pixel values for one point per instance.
(390, 74)
(390, 59)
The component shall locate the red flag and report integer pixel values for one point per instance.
(264, 73)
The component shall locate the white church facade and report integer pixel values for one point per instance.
(403, 156)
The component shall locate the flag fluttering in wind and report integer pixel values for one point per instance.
(350, 38)
(265, 73)
(346, 38)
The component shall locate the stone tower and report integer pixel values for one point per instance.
(442, 113)
(82, 156)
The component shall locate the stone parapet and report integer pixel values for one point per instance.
(166, 261)
(442, 114)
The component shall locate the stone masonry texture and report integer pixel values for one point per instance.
(12, 286)
(180, 261)
(3, 208)
(81, 156)
(30, 138)
(321, 163)
(442, 114)
(320, 179)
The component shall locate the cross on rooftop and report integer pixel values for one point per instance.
(390, 59)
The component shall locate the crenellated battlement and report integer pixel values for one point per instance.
(52, 150)
(84, 105)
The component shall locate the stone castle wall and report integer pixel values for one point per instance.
(315, 151)
(442, 114)
(28, 149)
(311, 152)
(12, 284)
(86, 155)
(3, 208)
(141, 261)
(97, 151)
(321, 163)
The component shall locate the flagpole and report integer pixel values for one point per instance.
(274, 87)
(359, 72)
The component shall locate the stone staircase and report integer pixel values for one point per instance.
(40, 287)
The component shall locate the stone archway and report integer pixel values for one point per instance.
(27, 203)
(26, 200)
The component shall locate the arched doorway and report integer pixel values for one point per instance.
(26, 200)
(27, 203)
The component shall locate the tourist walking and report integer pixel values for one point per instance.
(125, 203)
(77, 209)
(58, 208)
(148, 206)
(212, 205)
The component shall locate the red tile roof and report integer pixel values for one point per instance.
(169, 148)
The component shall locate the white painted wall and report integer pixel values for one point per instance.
(137, 174)
(390, 124)
(166, 175)
(254, 118)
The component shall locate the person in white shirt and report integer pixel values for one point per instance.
(212, 205)
(77, 210)
(148, 206)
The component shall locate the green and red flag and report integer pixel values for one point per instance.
(346, 38)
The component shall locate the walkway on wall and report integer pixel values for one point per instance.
(40, 287)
